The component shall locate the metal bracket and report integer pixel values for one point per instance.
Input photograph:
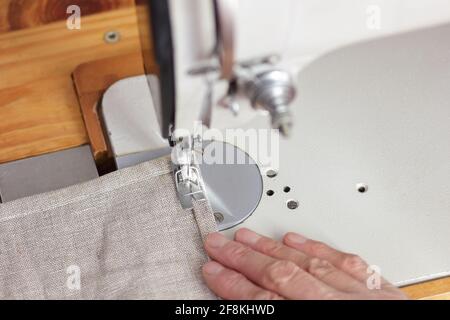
(188, 180)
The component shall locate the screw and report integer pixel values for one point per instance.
(271, 173)
(112, 37)
(219, 217)
(292, 204)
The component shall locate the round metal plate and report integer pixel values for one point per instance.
(233, 189)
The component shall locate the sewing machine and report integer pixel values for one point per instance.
(336, 110)
(357, 91)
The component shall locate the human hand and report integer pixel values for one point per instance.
(256, 267)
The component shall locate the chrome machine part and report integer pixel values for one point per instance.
(273, 91)
(233, 189)
(220, 172)
(259, 77)
(186, 155)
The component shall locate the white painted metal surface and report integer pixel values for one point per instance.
(376, 113)
(298, 30)
(136, 130)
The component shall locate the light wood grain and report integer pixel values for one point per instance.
(431, 290)
(38, 105)
(32, 123)
(50, 50)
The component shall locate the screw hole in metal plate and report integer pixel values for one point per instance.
(292, 204)
(271, 173)
(287, 189)
(362, 187)
(270, 193)
(219, 217)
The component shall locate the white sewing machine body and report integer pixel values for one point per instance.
(297, 31)
(367, 164)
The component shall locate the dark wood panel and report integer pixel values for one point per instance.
(21, 14)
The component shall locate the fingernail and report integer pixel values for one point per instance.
(216, 240)
(247, 236)
(295, 238)
(212, 268)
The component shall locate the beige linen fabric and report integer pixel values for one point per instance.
(125, 233)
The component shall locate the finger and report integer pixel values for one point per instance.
(338, 279)
(271, 247)
(349, 263)
(231, 285)
(280, 276)
(319, 268)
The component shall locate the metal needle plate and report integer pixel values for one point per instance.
(234, 190)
